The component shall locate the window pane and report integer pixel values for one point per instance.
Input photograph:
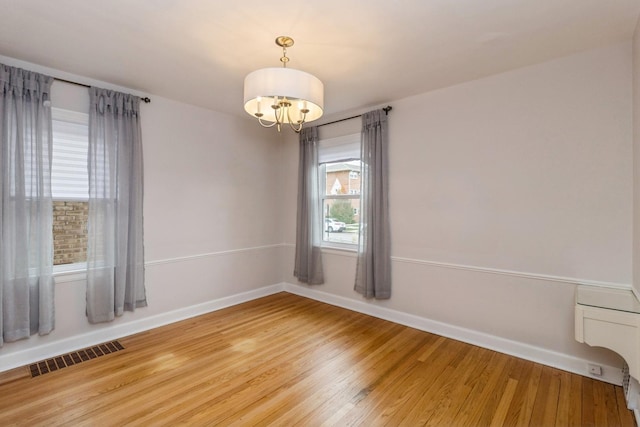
(340, 220)
(342, 178)
(341, 201)
(69, 231)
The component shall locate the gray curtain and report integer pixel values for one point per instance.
(115, 254)
(26, 234)
(308, 263)
(373, 271)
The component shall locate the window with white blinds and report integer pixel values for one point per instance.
(69, 176)
(340, 167)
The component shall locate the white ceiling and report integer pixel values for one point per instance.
(367, 52)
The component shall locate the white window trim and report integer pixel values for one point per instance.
(343, 148)
(77, 271)
(323, 197)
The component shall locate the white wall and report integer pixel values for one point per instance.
(209, 214)
(505, 193)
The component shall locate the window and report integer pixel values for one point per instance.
(69, 186)
(340, 167)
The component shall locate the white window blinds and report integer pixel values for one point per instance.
(341, 148)
(69, 177)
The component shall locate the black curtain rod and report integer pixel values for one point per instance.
(386, 112)
(146, 99)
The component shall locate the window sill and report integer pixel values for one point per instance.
(340, 250)
(70, 272)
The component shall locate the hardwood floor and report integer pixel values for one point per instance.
(286, 360)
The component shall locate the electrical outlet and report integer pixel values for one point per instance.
(595, 369)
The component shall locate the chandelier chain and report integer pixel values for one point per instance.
(284, 58)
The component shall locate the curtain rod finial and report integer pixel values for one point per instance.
(387, 109)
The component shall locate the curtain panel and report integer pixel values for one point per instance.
(308, 259)
(373, 270)
(115, 252)
(26, 234)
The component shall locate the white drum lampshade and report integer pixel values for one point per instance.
(303, 90)
(283, 95)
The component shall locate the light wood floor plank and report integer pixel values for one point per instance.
(575, 402)
(485, 390)
(599, 404)
(323, 400)
(505, 401)
(286, 360)
(524, 418)
(368, 407)
(564, 400)
(626, 416)
(444, 404)
(588, 403)
(520, 372)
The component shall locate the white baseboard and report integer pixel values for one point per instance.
(116, 331)
(541, 355)
(536, 354)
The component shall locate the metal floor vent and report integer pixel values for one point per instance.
(73, 358)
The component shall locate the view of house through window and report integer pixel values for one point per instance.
(69, 186)
(341, 201)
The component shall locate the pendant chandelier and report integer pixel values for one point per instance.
(276, 96)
